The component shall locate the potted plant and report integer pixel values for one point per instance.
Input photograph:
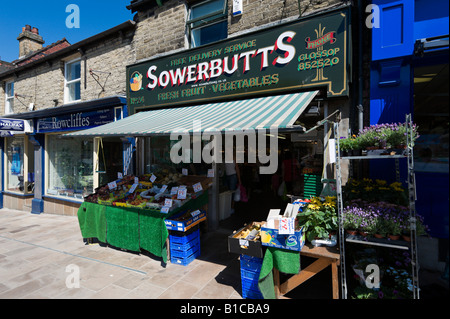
(351, 219)
(319, 218)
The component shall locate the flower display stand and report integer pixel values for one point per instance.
(355, 239)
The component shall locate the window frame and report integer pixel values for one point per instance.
(67, 83)
(9, 107)
(221, 13)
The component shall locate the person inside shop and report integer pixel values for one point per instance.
(290, 169)
(233, 179)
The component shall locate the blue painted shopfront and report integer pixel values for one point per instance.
(409, 70)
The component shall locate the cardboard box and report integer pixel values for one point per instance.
(184, 225)
(241, 246)
(279, 230)
(270, 237)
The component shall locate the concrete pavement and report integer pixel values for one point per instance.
(41, 256)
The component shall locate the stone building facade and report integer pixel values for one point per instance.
(159, 28)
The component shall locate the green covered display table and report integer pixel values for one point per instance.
(131, 228)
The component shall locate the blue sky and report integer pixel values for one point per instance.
(50, 18)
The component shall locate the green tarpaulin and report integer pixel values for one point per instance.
(131, 228)
(286, 261)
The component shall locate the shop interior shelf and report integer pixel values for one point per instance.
(383, 242)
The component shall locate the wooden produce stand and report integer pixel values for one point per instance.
(326, 256)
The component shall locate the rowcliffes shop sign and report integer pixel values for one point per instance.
(308, 53)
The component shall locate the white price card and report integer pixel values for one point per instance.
(112, 185)
(168, 202)
(197, 187)
(136, 180)
(195, 213)
(184, 171)
(133, 188)
(152, 178)
(243, 242)
(119, 175)
(211, 172)
(174, 190)
(286, 226)
(163, 189)
(165, 209)
(181, 194)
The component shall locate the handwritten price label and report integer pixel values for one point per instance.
(168, 202)
(165, 209)
(286, 226)
(152, 178)
(197, 187)
(184, 171)
(181, 194)
(133, 188)
(112, 185)
(163, 189)
(211, 172)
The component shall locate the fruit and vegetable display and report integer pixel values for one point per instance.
(149, 191)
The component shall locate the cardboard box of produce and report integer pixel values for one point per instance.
(246, 243)
(185, 220)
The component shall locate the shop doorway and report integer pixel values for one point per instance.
(300, 159)
(110, 159)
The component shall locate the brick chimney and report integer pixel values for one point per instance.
(29, 41)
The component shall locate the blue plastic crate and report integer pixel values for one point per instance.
(248, 274)
(186, 246)
(251, 263)
(184, 239)
(252, 294)
(185, 261)
(186, 252)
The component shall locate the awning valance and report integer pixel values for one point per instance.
(279, 111)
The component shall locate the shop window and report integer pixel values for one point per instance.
(19, 165)
(9, 92)
(431, 114)
(118, 113)
(69, 166)
(207, 22)
(72, 92)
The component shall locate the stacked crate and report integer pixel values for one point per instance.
(184, 246)
(312, 185)
(250, 269)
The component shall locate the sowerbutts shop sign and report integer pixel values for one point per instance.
(307, 53)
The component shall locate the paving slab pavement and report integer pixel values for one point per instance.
(42, 255)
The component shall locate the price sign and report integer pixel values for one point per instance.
(195, 213)
(286, 226)
(112, 185)
(174, 191)
(165, 209)
(197, 187)
(119, 175)
(152, 178)
(184, 171)
(181, 194)
(163, 189)
(168, 202)
(136, 180)
(133, 187)
(211, 172)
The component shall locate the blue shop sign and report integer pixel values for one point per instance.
(12, 125)
(75, 121)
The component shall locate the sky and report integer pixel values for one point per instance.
(50, 17)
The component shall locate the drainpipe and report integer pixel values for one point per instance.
(360, 67)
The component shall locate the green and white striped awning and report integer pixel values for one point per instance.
(279, 111)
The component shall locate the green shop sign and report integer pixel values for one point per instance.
(306, 54)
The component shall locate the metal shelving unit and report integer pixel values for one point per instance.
(412, 245)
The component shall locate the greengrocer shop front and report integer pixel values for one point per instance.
(246, 100)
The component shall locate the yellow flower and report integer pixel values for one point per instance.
(368, 188)
(380, 182)
(313, 206)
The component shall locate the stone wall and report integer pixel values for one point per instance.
(44, 84)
